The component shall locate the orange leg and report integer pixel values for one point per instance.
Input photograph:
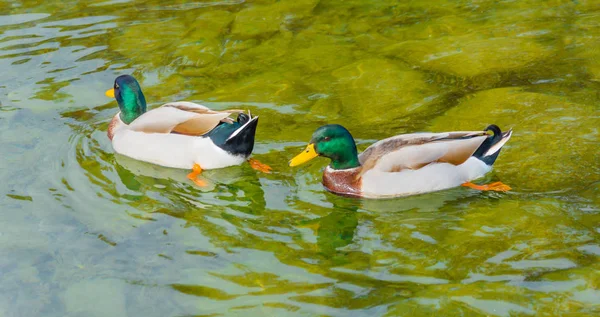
(255, 164)
(196, 170)
(497, 186)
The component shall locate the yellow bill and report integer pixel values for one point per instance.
(306, 155)
(110, 93)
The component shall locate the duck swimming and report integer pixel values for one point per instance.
(405, 164)
(179, 134)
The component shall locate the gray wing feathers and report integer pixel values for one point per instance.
(413, 151)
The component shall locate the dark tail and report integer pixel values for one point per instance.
(490, 148)
(236, 138)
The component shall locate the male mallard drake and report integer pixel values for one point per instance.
(178, 134)
(404, 164)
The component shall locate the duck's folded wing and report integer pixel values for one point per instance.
(413, 151)
(181, 117)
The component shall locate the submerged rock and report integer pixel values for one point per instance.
(210, 24)
(265, 20)
(257, 20)
(377, 89)
(266, 54)
(372, 42)
(586, 45)
(479, 60)
(322, 57)
(555, 142)
(450, 25)
(201, 45)
(198, 54)
(140, 44)
(269, 87)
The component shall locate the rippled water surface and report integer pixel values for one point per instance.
(85, 232)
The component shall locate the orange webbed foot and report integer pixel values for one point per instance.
(193, 176)
(255, 164)
(496, 186)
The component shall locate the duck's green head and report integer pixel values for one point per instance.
(129, 95)
(334, 142)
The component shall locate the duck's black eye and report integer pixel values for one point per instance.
(326, 138)
(116, 86)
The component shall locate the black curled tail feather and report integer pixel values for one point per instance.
(496, 130)
(236, 138)
(489, 150)
(243, 118)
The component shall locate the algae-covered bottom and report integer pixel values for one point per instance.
(85, 232)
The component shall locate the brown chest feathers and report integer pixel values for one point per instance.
(111, 126)
(343, 182)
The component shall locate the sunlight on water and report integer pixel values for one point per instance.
(86, 232)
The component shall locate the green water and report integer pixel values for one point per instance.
(85, 232)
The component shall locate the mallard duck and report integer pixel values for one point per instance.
(405, 164)
(179, 134)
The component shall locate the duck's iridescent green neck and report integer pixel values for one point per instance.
(345, 158)
(130, 98)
